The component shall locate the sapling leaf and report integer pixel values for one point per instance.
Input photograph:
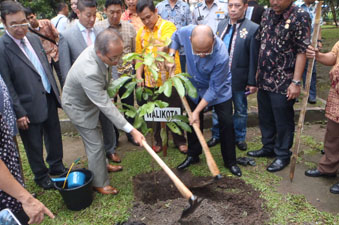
(178, 85)
(174, 128)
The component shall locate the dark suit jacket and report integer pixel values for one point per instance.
(245, 56)
(23, 81)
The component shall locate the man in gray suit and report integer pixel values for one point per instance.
(238, 33)
(72, 42)
(30, 81)
(85, 96)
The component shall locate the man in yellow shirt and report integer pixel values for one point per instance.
(157, 30)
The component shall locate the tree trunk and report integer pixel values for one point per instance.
(333, 12)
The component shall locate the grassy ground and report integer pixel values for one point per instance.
(283, 209)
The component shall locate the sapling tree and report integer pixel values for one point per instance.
(155, 64)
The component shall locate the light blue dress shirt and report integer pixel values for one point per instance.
(210, 74)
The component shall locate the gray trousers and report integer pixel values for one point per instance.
(94, 147)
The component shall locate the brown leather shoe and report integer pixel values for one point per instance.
(113, 168)
(114, 157)
(183, 149)
(107, 190)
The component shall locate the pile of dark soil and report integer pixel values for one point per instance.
(226, 201)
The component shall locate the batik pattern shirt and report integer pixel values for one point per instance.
(8, 152)
(180, 14)
(332, 104)
(282, 38)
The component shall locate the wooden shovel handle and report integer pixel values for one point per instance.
(209, 158)
(184, 191)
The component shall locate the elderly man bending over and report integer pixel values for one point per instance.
(85, 95)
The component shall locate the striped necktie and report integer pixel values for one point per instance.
(37, 65)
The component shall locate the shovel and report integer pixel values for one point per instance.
(209, 158)
(184, 191)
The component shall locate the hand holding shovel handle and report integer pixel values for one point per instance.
(184, 191)
(209, 158)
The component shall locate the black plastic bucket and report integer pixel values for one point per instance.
(80, 197)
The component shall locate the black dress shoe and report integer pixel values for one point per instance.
(322, 152)
(212, 142)
(335, 189)
(235, 170)
(46, 183)
(241, 145)
(311, 101)
(317, 173)
(278, 164)
(261, 153)
(131, 140)
(58, 172)
(188, 161)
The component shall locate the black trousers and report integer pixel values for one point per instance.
(48, 131)
(276, 121)
(227, 136)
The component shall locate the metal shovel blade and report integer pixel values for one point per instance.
(194, 204)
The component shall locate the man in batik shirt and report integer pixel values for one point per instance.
(178, 12)
(284, 34)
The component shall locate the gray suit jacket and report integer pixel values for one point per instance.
(84, 94)
(71, 45)
(245, 56)
(23, 80)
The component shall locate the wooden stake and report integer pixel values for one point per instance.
(307, 92)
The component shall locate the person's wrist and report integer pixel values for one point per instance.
(296, 82)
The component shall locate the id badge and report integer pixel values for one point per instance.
(219, 15)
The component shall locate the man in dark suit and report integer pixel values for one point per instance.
(238, 33)
(28, 76)
(72, 43)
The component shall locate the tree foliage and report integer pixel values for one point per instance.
(155, 65)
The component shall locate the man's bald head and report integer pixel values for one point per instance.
(202, 39)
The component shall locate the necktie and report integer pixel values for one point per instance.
(37, 64)
(89, 40)
(227, 38)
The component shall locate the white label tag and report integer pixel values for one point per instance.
(162, 114)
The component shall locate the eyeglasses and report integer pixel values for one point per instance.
(203, 53)
(16, 26)
(114, 58)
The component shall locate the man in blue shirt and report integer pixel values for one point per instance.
(207, 63)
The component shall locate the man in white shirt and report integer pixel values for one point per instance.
(60, 21)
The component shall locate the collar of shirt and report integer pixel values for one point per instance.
(175, 6)
(82, 28)
(215, 3)
(17, 41)
(238, 21)
(284, 15)
(156, 26)
(115, 27)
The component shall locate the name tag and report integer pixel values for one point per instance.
(220, 15)
(162, 114)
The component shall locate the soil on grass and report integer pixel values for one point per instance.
(225, 201)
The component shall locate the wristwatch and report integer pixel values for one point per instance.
(296, 82)
(171, 54)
